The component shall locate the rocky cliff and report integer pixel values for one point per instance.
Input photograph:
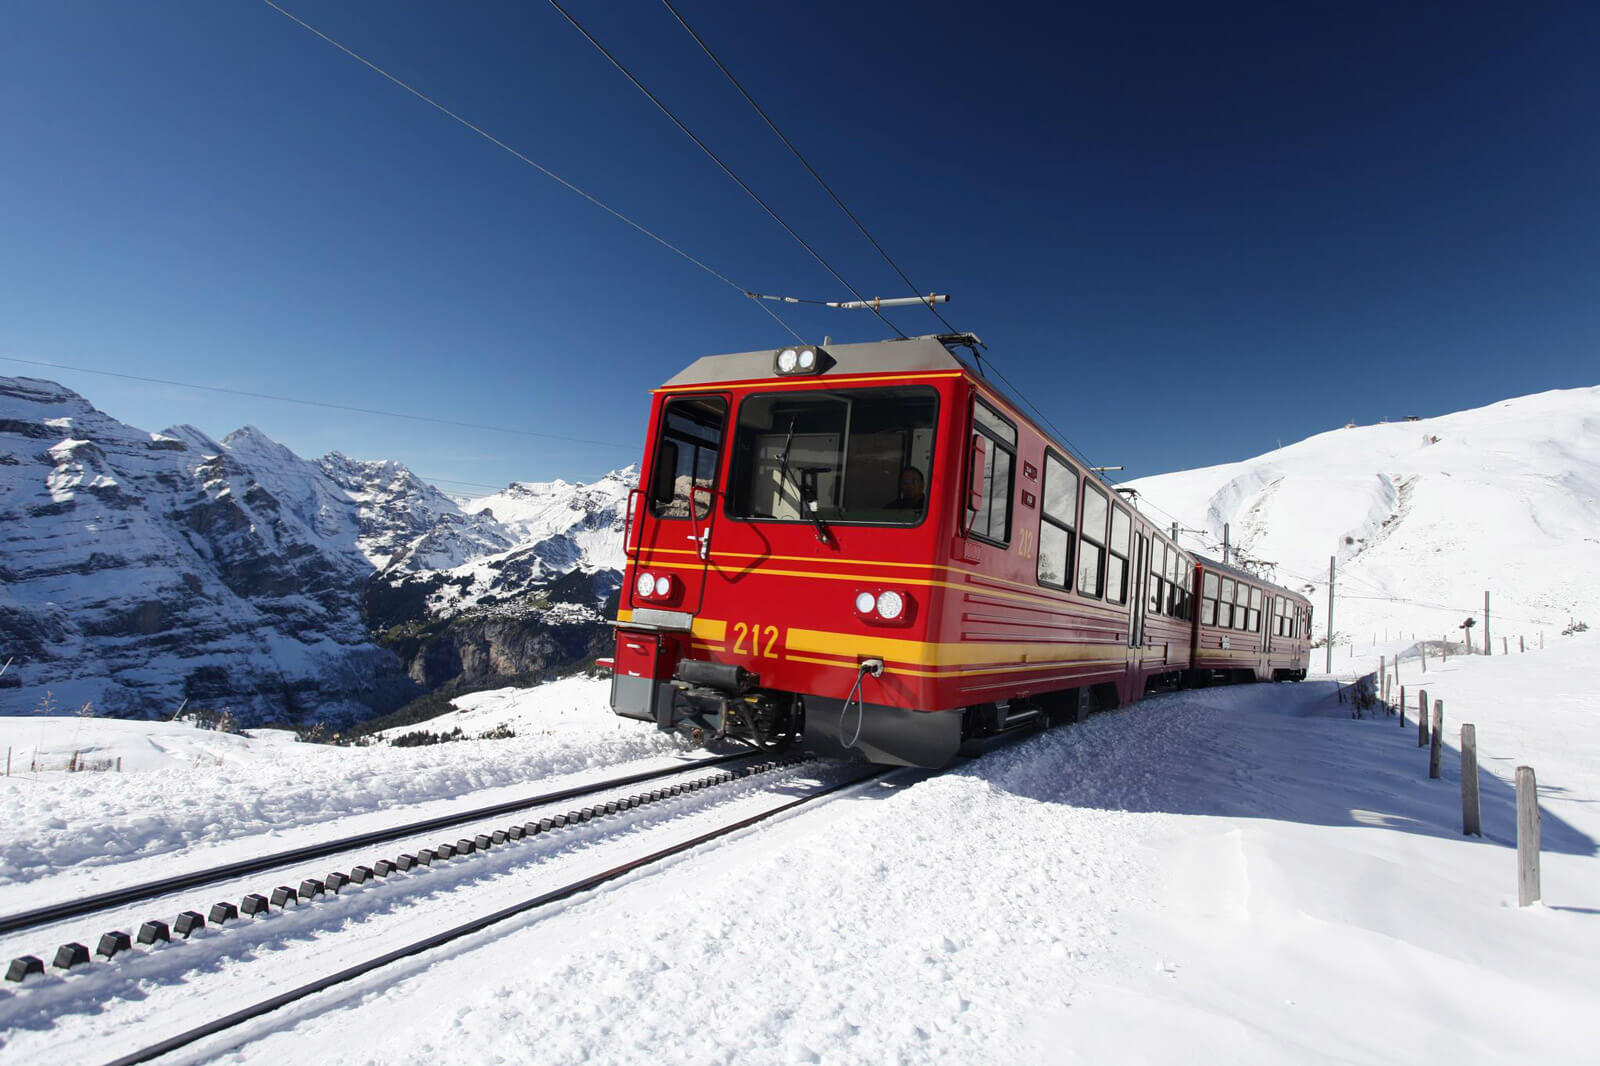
(138, 570)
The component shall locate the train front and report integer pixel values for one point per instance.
(782, 549)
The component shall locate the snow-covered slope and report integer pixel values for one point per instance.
(1423, 517)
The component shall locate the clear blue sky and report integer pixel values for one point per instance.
(1188, 230)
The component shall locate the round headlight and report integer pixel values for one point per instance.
(865, 602)
(663, 585)
(788, 359)
(808, 358)
(890, 605)
(645, 584)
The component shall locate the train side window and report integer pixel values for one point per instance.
(687, 455)
(1225, 604)
(1092, 542)
(992, 521)
(1241, 600)
(1208, 600)
(1158, 568)
(1117, 556)
(1183, 587)
(1255, 611)
(1177, 589)
(1058, 517)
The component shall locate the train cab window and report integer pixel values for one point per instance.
(687, 454)
(1117, 556)
(1058, 519)
(992, 520)
(859, 456)
(1208, 600)
(1255, 611)
(1092, 542)
(1241, 600)
(1158, 568)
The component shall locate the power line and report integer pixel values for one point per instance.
(319, 403)
(687, 132)
(546, 171)
(787, 143)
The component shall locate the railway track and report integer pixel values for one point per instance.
(38, 917)
(403, 920)
(234, 1019)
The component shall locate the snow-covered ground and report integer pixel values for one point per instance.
(1235, 874)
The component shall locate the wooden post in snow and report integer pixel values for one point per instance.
(1446, 651)
(1505, 645)
(1527, 837)
(1423, 649)
(1422, 719)
(1436, 741)
(1471, 822)
(1488, 648)
(1401, 703)
(1522, 645)
(8, 761)
(1383, 680)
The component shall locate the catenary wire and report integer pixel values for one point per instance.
(787, 143)
(546, 171)
(687, 132)
(319, 403)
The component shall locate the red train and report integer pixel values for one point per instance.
(872, 548)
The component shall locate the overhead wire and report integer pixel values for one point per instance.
(546, 171)
(687, 132)
(787, 143)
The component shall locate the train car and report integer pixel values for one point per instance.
(871, 546)
(1247, 629)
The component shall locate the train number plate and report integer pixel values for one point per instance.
(751, 638)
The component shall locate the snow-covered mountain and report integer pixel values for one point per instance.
(1422, 516)
(138, 570)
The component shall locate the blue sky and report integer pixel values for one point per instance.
(1188, 231)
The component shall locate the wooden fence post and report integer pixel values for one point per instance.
(1505, 645)
(1423, 648)
(1422, 719)
(1445, 651)
(1436, 741)
(8, 761)
(1522, 644)
(1471, 823)
(1402, 702)
(1527, 837)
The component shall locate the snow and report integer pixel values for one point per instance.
(1243, 874)
(1422, 516)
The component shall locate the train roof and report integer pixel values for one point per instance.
(1254, 579)
(912, 355)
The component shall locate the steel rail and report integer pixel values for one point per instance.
(55, 912)
(349, 973)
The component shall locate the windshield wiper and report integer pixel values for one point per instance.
(807, 498)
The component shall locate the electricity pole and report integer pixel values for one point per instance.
(1330, 614)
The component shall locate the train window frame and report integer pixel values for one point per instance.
(1085, 540)
(655, 503)
(731, 436)
(1122, 565)
(1255, 610)
(1241, 606)
(1155, 597)
(1225, 590)
(1209, 597)
(1048, 519)
(992, 430)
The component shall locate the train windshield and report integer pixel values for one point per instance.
(848, 456)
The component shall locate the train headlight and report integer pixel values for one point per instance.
(646, 584)
(891, 605)
(806, 359)
(663, 585)
(865, 603)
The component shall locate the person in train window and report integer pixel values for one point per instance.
(912, 491)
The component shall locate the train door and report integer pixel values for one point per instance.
(679, 511)
(1141, 579)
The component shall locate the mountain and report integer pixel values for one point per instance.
(139, 570)
(1422, 517)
